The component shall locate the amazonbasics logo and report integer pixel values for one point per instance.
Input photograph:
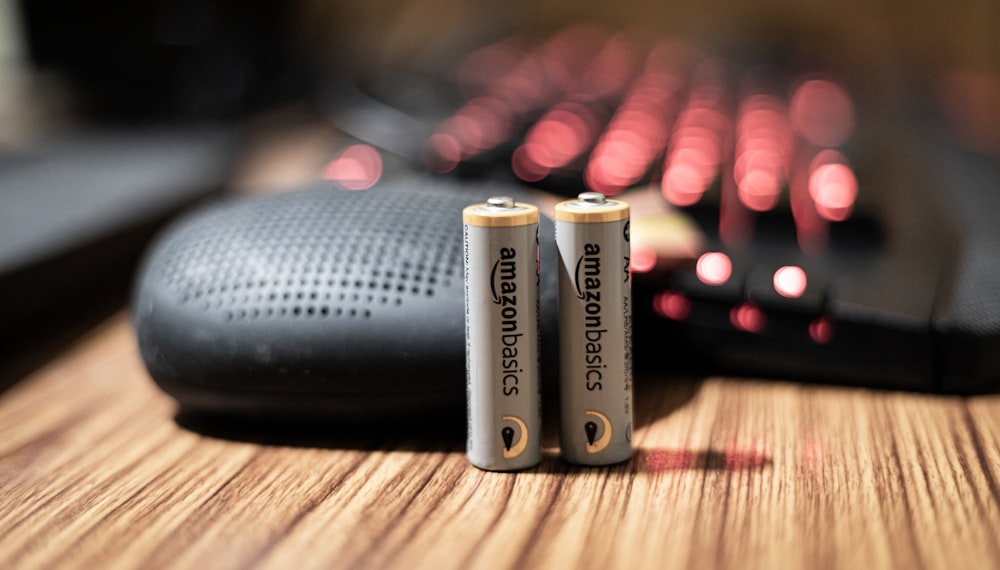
(503, 286)
(588, 290)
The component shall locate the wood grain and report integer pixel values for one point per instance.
(96, 473)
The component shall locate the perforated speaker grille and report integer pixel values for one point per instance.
(320, 302)
(321, 253)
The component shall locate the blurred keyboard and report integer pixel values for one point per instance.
(834, 248)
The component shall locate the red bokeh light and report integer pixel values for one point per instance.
(442, 153)
(764, 146)
(481, 67)
(834, 189)
(822, 113)
(790, 281)
(637, 132)
(759, 190)
(747, 317)
(821, 330)
(491, 120)
(682, 185)
(811, 229)
(714, 268)
(357, 167)
(672, 305)
(698, 142)
(559, 136)
(525, 168)
(642, 260)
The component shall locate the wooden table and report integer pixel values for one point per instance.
(96, 473)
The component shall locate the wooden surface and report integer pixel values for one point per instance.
(96, 473)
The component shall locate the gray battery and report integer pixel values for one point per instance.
(595, 329)
(501, 334)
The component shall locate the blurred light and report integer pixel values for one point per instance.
(492, 120)
(568, 130)
(508, 86)
(759, 190)
(764, 146)
(812, 454)
(745, 458)
(483, 66)
(697, 143)
(610, 71)
(619, 160)
(672, 305)
(442, 153)
(612, 169)
(525, 168)
(705, 113)
(736, 221)
(761, 156)
(811, 229)
(642, 260)
(466, 130)
(626, 146)
(593, 179)
(558, 137)
(682, 185)
(834, 190)
(699, 151)
(524, 88)
(790, 281)
(714, 268)
(660, 460)
(747, 317)
(822, 113)
(358, 167)
(821, 330)
(639, 130)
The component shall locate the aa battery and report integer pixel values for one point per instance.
(595, 329)
(502, 334)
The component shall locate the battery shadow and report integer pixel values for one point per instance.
(439, 432)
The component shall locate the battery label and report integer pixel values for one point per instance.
(594, 322)
(501, 286)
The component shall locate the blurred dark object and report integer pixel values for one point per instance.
(322, 303)
(168, 58)
(970, 105)
(77, 211)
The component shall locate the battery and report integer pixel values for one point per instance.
(595, 329)
(502, 334)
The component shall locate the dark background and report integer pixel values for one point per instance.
(190, 58)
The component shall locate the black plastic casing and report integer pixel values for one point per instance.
(321, 303)
(913, 297)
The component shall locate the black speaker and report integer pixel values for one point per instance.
(319, 303)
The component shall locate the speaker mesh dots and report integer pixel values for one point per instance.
(321, 253)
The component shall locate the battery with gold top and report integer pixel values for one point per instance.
(502, 334)
(595, 329)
